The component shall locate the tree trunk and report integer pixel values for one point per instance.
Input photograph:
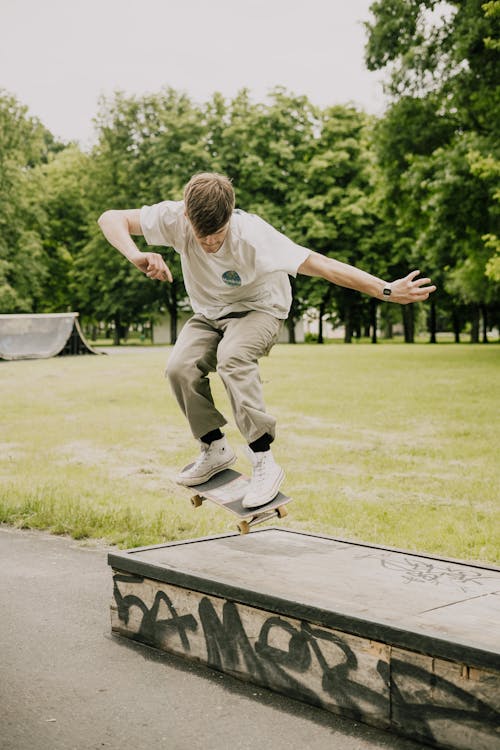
(117, 333)
(457, 325)
(475, 320)
(485, 324)
(173, 309)
(373, 319)
(432, 321)
(349, 315)
(173, 325)
(290, 324)
(408, 313)
(348, 325)
(321, 312)
(388, 326)
(293, 314)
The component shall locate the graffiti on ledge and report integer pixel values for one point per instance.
(287, 670)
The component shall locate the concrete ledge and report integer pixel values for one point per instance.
(401, 641)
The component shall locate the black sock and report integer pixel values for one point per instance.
(262, 444)
(211, 436)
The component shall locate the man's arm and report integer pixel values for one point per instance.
(118, 228)
(409, 289)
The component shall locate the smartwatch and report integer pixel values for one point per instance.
(387, 290)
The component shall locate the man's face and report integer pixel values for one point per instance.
(212, 242)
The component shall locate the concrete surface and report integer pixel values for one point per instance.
(67, 684)
(444, 608)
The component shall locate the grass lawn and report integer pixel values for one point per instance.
(392, 444)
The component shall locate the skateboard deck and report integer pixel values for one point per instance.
(227, 489)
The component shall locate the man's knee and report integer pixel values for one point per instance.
(178, 370)
(183, 369)
(229, 362)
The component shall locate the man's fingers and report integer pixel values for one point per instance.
(164, 275)
(423, 287)
(419, 288)
(410, 289)
(159, 274)
(423, 292)
(158, 269)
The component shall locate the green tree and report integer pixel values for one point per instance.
(442, 124)
(487, 169)
(443, 52)
(454, 212)
(24, 144)
(339, 212)
(309, 173)
(265, 149)
(62, 190)
(147, 149)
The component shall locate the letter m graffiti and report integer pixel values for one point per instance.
(228, 647)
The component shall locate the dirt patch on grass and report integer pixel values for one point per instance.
(148, 468)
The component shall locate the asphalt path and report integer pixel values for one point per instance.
(67, 684)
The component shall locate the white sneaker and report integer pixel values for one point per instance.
(213, 458)
(266, 480)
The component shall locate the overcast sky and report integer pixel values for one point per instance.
(59, 56)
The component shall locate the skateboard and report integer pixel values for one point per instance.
(227, 489)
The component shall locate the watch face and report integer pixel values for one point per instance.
(387, 291)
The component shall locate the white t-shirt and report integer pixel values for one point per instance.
(249, 272)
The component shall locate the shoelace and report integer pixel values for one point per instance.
(202, 457)
(259, 470)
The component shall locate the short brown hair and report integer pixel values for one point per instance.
(209, 202)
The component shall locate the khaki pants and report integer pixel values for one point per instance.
(231, 346)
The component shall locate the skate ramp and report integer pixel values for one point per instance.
(406, 642)
(29, 336)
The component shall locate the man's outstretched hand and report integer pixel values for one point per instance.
(153, 265)
(411, 289)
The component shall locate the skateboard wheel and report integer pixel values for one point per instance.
(196, 501)
(281, 512)
(243, 527)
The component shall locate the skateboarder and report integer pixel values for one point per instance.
(235, 268)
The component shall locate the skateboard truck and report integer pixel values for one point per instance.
(227, 490)
(255, 518)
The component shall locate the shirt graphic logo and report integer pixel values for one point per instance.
(231, 278)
